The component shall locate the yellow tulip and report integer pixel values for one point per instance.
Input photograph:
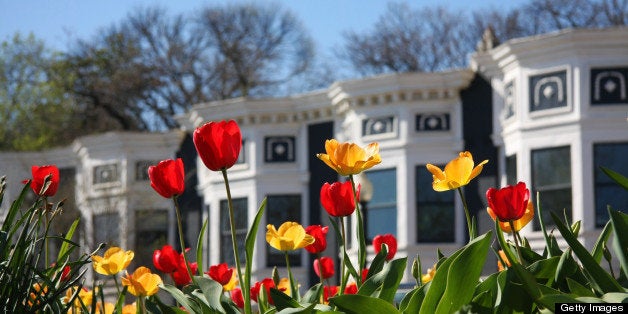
(129, 309)
(284, 286)
(114, 261)
(458, 172)
(290, 236)
(233, 282)
(108, 308)
(429, 275)
(519, 223)
(84, 296)
(349, 158)
(142, 282)
(503, 257)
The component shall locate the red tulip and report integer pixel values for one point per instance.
(387, 239)
(65, 273)
(351, 288)
(328, 292)
(167, 177)
(320, 238)
(167, 259)
(218, 144)
(180, 276)
(220, 273)
(39, 175)
(509, 203)
(325, 264)
(364, 273)
(267, 283)
(237, 298)
(337, 198)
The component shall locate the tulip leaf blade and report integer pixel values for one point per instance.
(67, 240)
(578, 289)
(249, 245)
(596, 274)
(212, 291)
(456, 277)
(360, 304)
(411, 302)
(616, 176)
(282, 300)
(600, 244)
(619, 221)
(396, 269)
(199, 246)
(464, 274)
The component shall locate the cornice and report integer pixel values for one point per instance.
(551, 46)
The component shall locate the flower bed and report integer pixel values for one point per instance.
(527, 281)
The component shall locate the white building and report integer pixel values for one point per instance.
(547, 110)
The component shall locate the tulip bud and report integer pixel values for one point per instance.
(275, 276)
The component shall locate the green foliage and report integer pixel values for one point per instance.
(27, 283)
(35, 112)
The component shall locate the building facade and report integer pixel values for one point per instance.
(547, 110)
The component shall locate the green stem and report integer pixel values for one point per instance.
(236, 254)
(181, 242)
(115, 280)
(343, 281)
(514, 235)
(466, 213)
(47, 222)
(320, 275)
(293, 284)
(141, 306)
(360, 229)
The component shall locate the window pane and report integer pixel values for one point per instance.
(241, 224)
(151, 228)
(551, 177)
(107, 229)
(435, 210)
(607, 192)
(511, 170)
(381, 210)
(279, 209)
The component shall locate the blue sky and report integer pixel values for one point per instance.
(60, 22)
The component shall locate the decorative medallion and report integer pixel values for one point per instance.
(608, 86)
(106, 173)
(426, 122)
(375, 126)
(548, 91)
(279, 149)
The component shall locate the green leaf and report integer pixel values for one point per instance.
(298, 310)
(598, 248)
(578, 289)
(199, 246)
(282, 300)
(411, 302)
(456, 277)
(464, 274)
(549, 247)
(312, 295)
(68, 239)
(251, 236)
(395, 271)
(378, 262)
(154, 305)
(615, 297)
(360, 304)
(212, 292)
(597, 274)
(619, 221)
(558, 298)
(181, 298)
(544, 269)
(617, 177)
